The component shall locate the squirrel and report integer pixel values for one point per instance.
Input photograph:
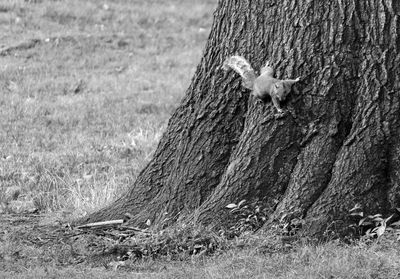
(265, 84)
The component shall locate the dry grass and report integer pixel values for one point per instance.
(82, 108)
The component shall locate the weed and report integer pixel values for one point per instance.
(372, 226)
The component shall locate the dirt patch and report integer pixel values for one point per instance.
(30, 240)
(26, 242)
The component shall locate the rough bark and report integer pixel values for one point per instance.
(337, 144)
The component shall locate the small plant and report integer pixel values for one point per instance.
(248, 216)
(290, 226)
(372, 226)
(252, 216)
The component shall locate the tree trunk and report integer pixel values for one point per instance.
(336, 145)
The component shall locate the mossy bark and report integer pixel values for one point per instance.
(336, 145)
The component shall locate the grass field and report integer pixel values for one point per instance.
(87, 88)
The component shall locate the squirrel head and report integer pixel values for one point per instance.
(281, 91)
(283, 87)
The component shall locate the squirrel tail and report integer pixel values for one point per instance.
(243, 68)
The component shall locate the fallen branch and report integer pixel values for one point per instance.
(134, 229)
(101, 224)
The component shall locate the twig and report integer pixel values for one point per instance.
(134, 229)
(102, 224)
